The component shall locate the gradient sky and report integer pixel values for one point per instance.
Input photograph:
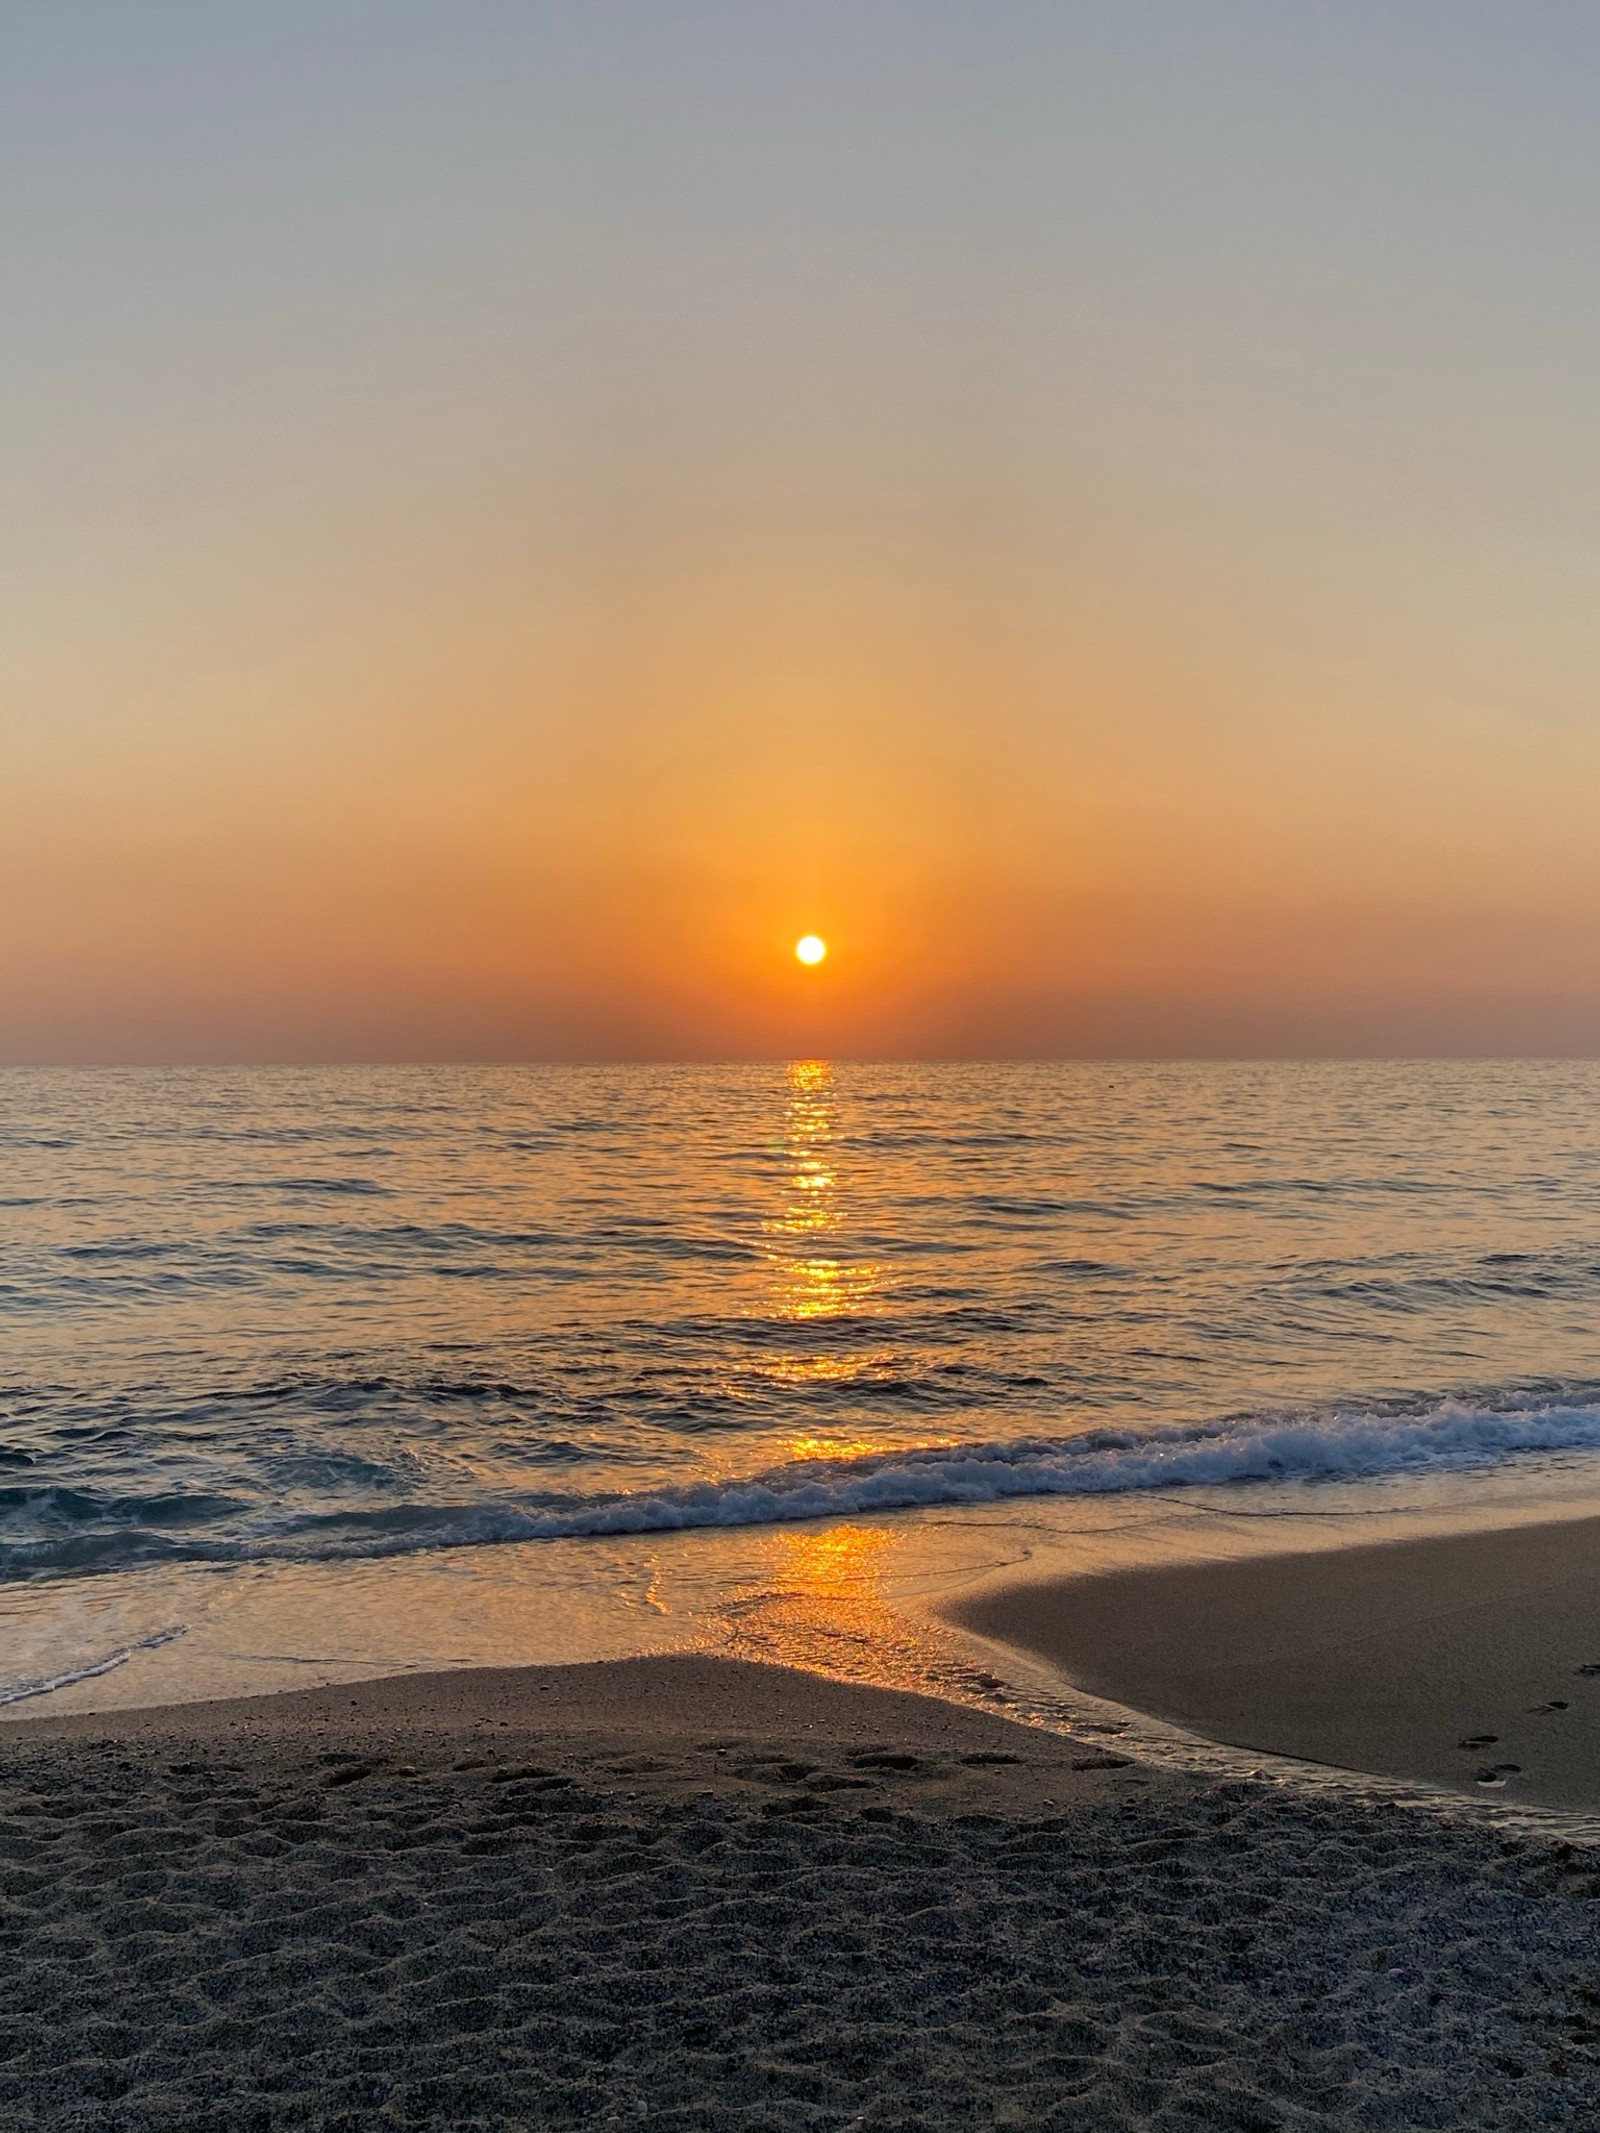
(514, 512)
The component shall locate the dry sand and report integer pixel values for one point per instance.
(1471, 1662)
(690, 1893)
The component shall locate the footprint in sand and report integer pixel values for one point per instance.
(1592, 1667)
(1556, 1703)
(1478, 1740)
(1498, 1773)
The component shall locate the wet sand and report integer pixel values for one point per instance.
(692, 1893)
(1471, 1662)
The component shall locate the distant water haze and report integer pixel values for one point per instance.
(517, 515)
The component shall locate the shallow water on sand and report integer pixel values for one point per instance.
(593, 1358)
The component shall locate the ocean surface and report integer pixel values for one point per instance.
(278, 1318)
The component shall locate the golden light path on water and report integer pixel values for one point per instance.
(822, 1595)
(812, 1277)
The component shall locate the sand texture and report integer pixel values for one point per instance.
(1471, 1662)
(690, 1893)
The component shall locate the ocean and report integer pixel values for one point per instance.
(318, 1372)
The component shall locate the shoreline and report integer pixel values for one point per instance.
(1455, 1661)
(806, 1595)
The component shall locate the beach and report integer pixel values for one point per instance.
(689, 1892)
(1466, 1661)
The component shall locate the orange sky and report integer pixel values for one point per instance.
(510, 530)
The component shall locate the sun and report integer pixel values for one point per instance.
(811, 948)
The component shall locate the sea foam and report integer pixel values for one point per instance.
(1261, 1452)
(1261, 1449)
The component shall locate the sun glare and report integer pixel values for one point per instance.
(811, 948)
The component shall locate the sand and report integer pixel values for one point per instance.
(1460, 1662)
(691, 1893)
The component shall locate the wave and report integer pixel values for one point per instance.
(1259, 1449)
(1246, 1451)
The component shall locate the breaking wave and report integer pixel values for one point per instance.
(1250, 1451)
(1103, 1462)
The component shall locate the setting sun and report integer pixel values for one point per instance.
(811, 948)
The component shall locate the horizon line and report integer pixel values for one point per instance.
(588, 1062)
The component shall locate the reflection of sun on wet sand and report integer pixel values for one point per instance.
(1470, 1661)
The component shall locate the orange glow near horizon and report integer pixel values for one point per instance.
(1142, 602)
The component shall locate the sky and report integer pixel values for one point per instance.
(514, 512)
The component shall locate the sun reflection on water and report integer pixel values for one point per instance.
(824, 1604)
(813, 1277)
(825, 1601)
(843, 1563)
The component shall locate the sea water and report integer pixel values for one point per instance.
(309, 1373)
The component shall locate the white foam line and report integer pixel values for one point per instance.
(20, 1691)
(1245, 1451)
(1102, 1462)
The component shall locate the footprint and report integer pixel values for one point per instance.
(1497, 1773)
(1593, 1667)
(1478, 1740)
(1556, 1703)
